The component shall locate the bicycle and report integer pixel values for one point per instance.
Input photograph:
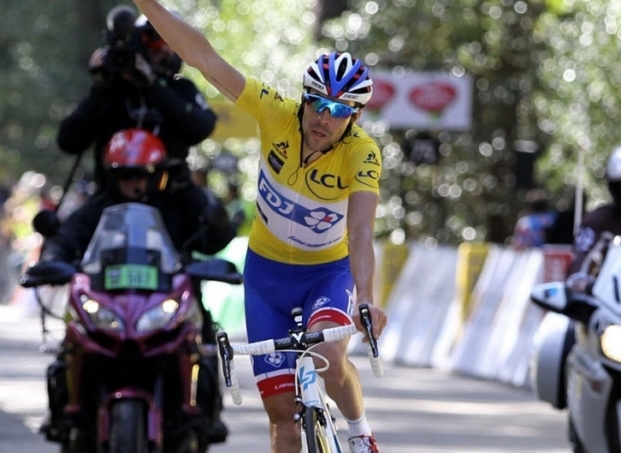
(318, 425)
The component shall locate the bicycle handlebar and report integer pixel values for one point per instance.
(294, 341)
(372, 349)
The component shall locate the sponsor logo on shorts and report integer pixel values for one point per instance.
(320, 302)
(275, 359)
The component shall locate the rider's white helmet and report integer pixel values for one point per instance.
(613, 168)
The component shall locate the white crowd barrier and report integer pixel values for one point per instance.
(494, 344)
(418, 305)
(492, 340)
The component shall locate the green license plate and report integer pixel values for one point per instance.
(131, 276)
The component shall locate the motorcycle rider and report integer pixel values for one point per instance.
(137, 171)
(606, 218)
(135, 84)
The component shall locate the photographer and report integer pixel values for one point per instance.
(135, 84)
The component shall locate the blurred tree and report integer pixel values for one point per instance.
(579, 104)
(44, 51)
(544, 73)
(272, 41)
(473, 193)
(328, 9)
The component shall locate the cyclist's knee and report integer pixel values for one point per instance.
(280, 407)
(284, 432)
(335, 353)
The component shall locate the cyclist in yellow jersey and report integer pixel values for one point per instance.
(311, 243)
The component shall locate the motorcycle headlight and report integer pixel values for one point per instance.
(101, 316)
(157, 317)
(610, 342)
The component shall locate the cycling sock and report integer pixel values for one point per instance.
(359, 427)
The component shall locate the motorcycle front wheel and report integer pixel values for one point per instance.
(127, 427)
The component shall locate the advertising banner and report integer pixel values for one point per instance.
(421, 100)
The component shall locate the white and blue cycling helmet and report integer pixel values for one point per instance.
(339, 76)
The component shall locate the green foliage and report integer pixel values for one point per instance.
(579, 104)
(472, 193)
(269, 40)
(44, 51)
(544, 71)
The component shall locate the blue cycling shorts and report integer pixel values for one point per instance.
(325, 292)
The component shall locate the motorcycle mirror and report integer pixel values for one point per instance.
(46, 223)
(557, 298)
(218, 270)
(550, 296)
(47, 273)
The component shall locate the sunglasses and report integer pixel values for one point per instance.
(337, 109)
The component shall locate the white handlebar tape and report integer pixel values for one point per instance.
(376, 365)
(234, 388)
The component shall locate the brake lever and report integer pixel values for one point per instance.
(365, 320)
(226, 354)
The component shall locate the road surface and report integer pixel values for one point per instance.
(411, 410)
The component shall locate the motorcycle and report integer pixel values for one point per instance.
(576, 361)
(133, 375)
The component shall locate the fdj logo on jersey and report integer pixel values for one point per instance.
(318, 220)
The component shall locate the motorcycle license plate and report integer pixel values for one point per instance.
(131, 276)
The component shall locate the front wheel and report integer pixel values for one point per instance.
(314, 427)
(127, 427)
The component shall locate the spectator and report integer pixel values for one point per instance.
(530, 229)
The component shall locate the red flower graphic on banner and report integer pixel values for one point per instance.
(383, 92)
(433, 97)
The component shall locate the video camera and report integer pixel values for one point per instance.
(123, 40)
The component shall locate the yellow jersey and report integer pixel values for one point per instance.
(302, 211)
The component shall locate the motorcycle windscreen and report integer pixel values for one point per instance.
(131, 249)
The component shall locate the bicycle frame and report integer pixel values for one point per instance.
(310, 395)
(316, 421)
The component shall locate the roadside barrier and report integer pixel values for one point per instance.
(434, 322)
(418, 305)
(490, 346)
(390, 259)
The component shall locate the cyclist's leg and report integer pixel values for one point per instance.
(331, 303)
(269, 299)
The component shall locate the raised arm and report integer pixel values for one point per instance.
(194, 49)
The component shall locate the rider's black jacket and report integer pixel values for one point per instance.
(185, 213)
(604, 218)
(172, 108)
